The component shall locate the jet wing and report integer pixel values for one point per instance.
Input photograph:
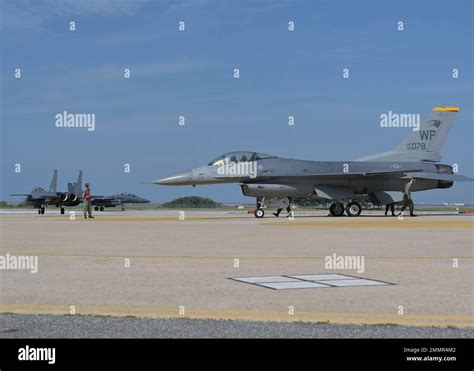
(402, 174)
(49, 198)
(398, 173)
(440, 176)
(104, 200)
(96, 197)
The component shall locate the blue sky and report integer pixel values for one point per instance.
(190, 73)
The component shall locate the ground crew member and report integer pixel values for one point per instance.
(86, 202)
(391, 207)
(407, 201)
(280, 209)
(288, 209)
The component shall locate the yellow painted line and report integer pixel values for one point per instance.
(245, 311)
(119, 218)
(416, 320)
(394, 223)
(297, 222)
(194, 257)
(269, 319)
(151, 219)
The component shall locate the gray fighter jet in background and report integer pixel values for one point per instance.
(40, 199)
(100, 202)
(274, 180)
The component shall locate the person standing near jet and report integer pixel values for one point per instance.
(86, 202)
(407, 201)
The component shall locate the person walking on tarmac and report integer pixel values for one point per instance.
(86, 202)
(280, 209)
(390, 207)
(407, 201)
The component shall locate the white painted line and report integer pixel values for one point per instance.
(266, 279)
(323, 277)
(292, 285)
(355, 282)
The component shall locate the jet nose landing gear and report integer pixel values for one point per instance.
(278, 202)
(259, 213)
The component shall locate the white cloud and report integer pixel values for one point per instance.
(34, 14)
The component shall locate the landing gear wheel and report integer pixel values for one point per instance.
(259, 213)
(96, 208)
(42, 210)
(123, 209)
(353, 209)
(62, 210)
(336, 209)
(101, 208)
(39, 211)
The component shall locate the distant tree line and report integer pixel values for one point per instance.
(4, 204)
(192, 202)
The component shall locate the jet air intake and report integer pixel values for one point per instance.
(445, 184)
(276, 190)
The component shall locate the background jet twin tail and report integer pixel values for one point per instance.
(40, 199)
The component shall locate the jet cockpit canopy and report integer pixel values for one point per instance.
(239, 156)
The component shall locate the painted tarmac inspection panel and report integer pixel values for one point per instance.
(309, 281)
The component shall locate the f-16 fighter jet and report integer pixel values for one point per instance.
(273, 180)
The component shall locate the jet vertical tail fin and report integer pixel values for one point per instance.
(424, 144)
(54, 182)
(76, 188)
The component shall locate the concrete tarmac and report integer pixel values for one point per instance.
(152, 264)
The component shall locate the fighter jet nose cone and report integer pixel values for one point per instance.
(184, 178)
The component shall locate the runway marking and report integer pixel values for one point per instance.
(393, 223)
(119, 218)
(258, 315)
(191, 257)
(327, 222)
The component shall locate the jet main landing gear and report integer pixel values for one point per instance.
(336, 209)
(351, 209)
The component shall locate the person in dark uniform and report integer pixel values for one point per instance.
(390, 207)
(280, 209)
(407, 201)
(288, 209)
